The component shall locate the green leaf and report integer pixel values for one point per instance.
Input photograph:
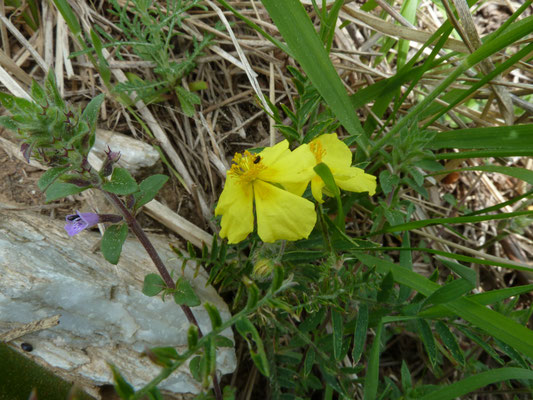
(464, 272)
(122, 387)
(121, 182)
(495, 324)
(249, 333)
(223, 341)
(478, 381)
(214, 315)
(306, 47)
(521, 173)
(372, 371)
(324, 172)
(454, 220)
(499, 137)
(112, 241)
(309, 361)
(428, 339)
(187, 101)
(90, 113)
(50, 177)
(407, 383)
(153, 285)
(192, 336)
(449, 292)
(148, 188)
(359, 336)
(58, 190)
(449, 340)
(336, 319)
(194, 367)
(388, 181)
(184, 294)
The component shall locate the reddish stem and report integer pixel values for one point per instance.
(163, 271)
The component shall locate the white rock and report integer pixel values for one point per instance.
(134, 154)
(104, 315)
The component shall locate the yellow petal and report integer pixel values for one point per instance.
(355, 180)
(336, 153)
(236, 207)
(293, 169)
(281, 214)
(270, 155)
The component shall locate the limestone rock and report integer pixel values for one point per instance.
(104, 315)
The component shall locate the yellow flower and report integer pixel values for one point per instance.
(274, 180)
(333, 152)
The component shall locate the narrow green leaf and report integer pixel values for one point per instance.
(495, 324)
(112, 241)
(521, 173)
(153, 285)
(464, 272)
(455, 220)
(249, 333)
(372, 371)
(214, 315)
(121, 182)
(449, 340)
(336, 319)
(407, 383)
(428, 340)
(359, 336)
(298, 31)
(122, 387)
(449, 292)
(309, 361)
(499, 137)
(192, 336)
(478, 381)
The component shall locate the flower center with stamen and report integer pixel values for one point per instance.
(318, 151)
(246, 166)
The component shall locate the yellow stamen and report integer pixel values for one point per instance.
(318, 150)
(246, 166)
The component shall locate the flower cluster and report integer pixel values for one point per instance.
(270, 185)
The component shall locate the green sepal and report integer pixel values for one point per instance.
(112, 242)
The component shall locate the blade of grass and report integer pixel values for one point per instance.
(474, 382)
(516, 32)
(492, 322)
(499, 137)
(296, 28)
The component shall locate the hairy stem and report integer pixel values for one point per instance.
(163, 271)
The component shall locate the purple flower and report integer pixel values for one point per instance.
(80, 221)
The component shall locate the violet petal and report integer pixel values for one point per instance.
(80, 221)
